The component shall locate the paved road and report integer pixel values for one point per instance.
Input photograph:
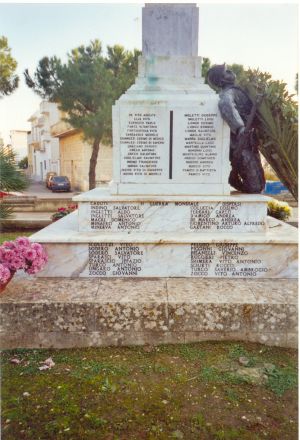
(39, 189)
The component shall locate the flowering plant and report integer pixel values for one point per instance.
(280, 210)
(61, 212)
(20, 254)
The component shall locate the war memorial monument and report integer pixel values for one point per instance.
(169, 251)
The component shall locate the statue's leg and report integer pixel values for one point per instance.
(235, 180)
(251, 172)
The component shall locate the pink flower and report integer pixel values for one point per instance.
(8, 244)
(61, 209)
(21, 254)
(17, 263)
(4, 274)
(38, 248)
(32, 270)
(30, 254)
(8, 255)
(22, 241)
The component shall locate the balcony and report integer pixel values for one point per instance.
(44, 108)
(36, 145)
(61, 129)
(41, 121)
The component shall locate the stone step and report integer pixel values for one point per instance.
(64, 313)
(98, 210)
(102, 254)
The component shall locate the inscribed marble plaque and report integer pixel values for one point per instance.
(144, 144)
(197, 144)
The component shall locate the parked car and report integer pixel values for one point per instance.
(60, 183)
(49, 177)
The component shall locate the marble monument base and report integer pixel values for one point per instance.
(66, 313)
(73, 253)
(99, 211)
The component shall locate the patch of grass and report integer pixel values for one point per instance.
(281, 379)
(213, 375)
(191, 352)
(199, 420)
(169, 392)
(10, 236)
(230, 434)
(238, 351)
(232, 395)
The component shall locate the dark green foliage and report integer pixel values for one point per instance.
(8, 79)
(23, 163)
(11, 179)
(277, 125)
(206, 65)
(46, 80)
(281, 379)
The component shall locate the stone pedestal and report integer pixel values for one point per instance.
(169, 211)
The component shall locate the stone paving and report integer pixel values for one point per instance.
(62, 313)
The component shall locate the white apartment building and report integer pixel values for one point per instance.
(43, 149)
(18, 142)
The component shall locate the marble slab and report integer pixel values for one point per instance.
(205, 260)
(173, 144)
(168, 216)
(170, 29)
(66, 231)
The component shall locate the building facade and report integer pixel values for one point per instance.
(18, 142)
(43, 149)
(75, 153)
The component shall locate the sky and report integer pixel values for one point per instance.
(263, 35)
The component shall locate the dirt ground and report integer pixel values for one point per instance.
(196, 391)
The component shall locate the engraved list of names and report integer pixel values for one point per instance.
(195, 134)
(142, 143)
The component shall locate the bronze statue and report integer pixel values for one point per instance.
(237, 109)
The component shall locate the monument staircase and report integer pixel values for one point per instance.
(167, 252)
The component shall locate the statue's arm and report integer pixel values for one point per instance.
(229, 112)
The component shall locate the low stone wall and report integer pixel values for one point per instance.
(64, 313)
(35, 204)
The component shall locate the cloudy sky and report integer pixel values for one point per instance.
(263, 35)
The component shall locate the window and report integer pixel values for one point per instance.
(45, 166)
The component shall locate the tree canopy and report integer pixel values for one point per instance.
(85, 87)
(8, 79)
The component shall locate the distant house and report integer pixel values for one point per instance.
(43, 149)
(18, 143)
(75, 155)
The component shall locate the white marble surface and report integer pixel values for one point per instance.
(171, 260)
(170, 29)
(103, 194)
(171, 144)
(169, 216)
(263, 255)
(66, 231)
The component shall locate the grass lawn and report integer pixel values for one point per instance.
(8, 236)
(187, 392)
